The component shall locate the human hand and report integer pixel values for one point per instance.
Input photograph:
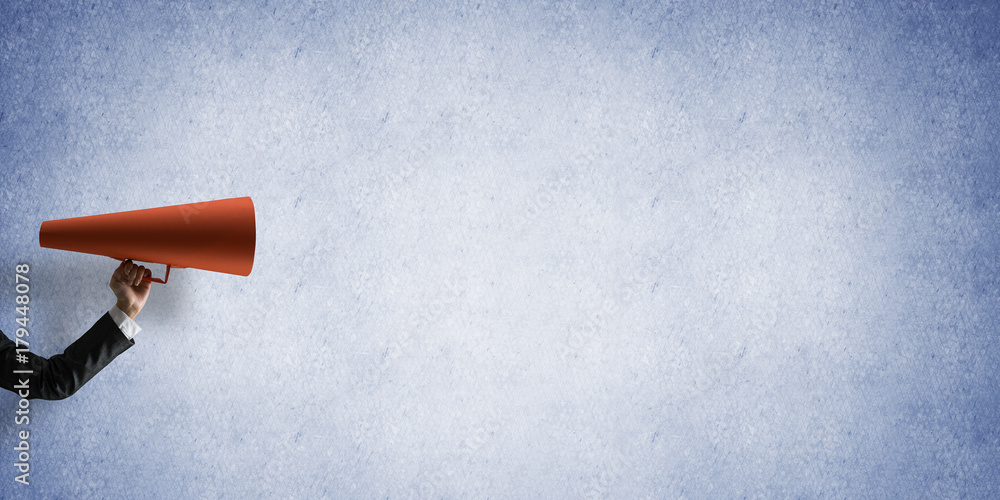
(129, 287)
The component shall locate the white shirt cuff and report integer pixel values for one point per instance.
(127, 325)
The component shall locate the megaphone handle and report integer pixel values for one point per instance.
(158, 280)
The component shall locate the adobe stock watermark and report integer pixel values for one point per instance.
(598, 313)
(452, 293)
(21, 373)
(388, 189)
(610, 470)
(558, 185)
(572, 173)
(398, 179)
(433, 484)
(550, 191)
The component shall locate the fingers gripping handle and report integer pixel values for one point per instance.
(158, 280)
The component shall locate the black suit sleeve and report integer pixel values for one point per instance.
(62, 375)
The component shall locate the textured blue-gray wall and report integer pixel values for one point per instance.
(506, 250)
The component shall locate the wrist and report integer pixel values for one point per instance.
(129, 309)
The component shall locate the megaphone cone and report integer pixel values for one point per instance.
(216, 235)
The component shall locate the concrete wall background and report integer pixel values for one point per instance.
(520, 250)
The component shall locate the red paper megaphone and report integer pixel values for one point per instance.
(216, 236)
